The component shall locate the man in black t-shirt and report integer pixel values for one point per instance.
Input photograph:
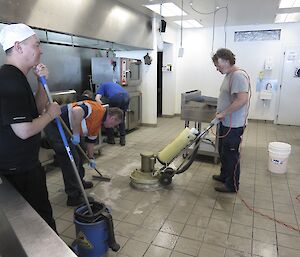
(23, 116)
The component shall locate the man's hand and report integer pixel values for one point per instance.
(98, 98)
(53, 110)
(41, 70)
(220, 115)
(75, 139)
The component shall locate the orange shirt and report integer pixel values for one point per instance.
(91, 124)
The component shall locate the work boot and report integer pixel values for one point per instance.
(109, 140)
(218, 178)
(224, 189)
(87, 184)
(122, 140)
(75, 201)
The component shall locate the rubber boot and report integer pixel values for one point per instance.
(122, 140)
(109, 140)
(110, 136)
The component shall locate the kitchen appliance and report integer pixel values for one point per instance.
(133, 116)
(127, 73)
(124, 71)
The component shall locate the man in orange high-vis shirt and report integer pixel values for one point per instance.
(84, 119)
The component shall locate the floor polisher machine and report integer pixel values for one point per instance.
(186, 144)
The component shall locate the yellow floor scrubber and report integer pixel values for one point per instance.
(186, 144)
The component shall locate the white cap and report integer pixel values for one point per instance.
(14, 33)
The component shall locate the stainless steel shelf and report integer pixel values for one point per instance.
(195, 112)
(34, 234)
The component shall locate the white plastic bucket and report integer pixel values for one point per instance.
(278, 156)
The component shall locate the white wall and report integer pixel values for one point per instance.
(196, 70)
(169, 81)
(169, 77)
(148, 86)
(170, 56)
(161, 42)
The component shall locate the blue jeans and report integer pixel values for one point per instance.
(120, 100)
(230, 156)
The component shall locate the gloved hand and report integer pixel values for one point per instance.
(75, 139)
(92, 163)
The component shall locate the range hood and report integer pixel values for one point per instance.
(108, 20)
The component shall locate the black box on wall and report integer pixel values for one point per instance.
(163, 25)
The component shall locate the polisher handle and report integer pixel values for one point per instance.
(215, 121)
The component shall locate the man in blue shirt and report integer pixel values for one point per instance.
(117, 97)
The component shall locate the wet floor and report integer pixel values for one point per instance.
(190, 218)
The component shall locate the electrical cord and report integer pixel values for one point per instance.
(207, 13)
(213, 33)
(214, 13)
(209, 142)
(225, 26)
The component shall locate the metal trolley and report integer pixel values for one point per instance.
(198, 109)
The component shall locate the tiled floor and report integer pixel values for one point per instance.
(190, 218)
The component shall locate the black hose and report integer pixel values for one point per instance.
(195, 150)
(191, 158)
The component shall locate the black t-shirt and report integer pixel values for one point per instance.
(17, 105)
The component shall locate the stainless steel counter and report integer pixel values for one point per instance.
(35, 236)
(133, 116)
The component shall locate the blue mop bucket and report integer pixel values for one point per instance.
(91, 231)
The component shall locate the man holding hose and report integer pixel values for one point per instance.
(232, 111)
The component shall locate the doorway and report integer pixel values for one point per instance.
(289, 103)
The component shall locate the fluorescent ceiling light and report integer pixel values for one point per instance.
(280, 18)
(289, 3)
(189, 24)
(287, 17)
(167, 9)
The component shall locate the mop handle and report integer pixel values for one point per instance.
(64, 139)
